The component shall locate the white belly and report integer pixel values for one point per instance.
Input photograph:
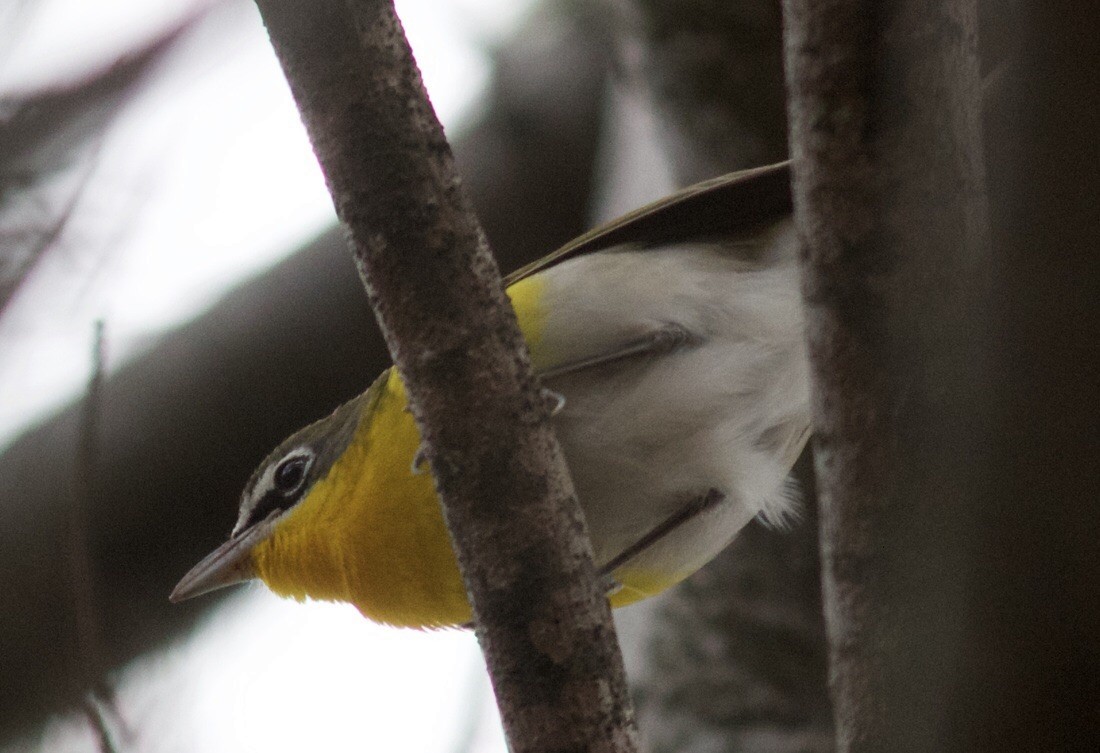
(728, 411)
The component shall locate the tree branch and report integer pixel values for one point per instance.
(518, 532)
(56, 130)
(890, 204)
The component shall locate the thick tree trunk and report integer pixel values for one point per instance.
(890, 203)
(957, 476)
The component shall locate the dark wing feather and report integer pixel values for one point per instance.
(717, 208)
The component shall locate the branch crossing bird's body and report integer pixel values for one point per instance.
(683, 376)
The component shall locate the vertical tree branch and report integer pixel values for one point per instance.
(518, 532)
(889, 195)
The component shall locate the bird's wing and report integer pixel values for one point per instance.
(721, 207)
(651, 342)
(642, 314)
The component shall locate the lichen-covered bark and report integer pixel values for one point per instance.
(542, 621)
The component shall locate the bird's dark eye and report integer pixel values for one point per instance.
(290, 474)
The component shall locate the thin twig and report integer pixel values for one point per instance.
(98, 704)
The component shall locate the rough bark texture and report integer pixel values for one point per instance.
(183, 426)
(734, 658)
(960, 591)
(541, 617)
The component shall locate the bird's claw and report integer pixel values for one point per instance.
(553, 401)
(609, 585)
(419, 459)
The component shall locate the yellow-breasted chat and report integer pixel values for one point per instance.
(673, 336)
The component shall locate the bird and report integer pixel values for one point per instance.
(672, 341)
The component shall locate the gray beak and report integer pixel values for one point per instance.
(227, 565)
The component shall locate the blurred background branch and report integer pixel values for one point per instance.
(48, 146)
(87, 648)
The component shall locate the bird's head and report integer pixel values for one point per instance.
(337, 512)
(282, 510)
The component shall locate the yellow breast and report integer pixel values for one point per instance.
(371, 532)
